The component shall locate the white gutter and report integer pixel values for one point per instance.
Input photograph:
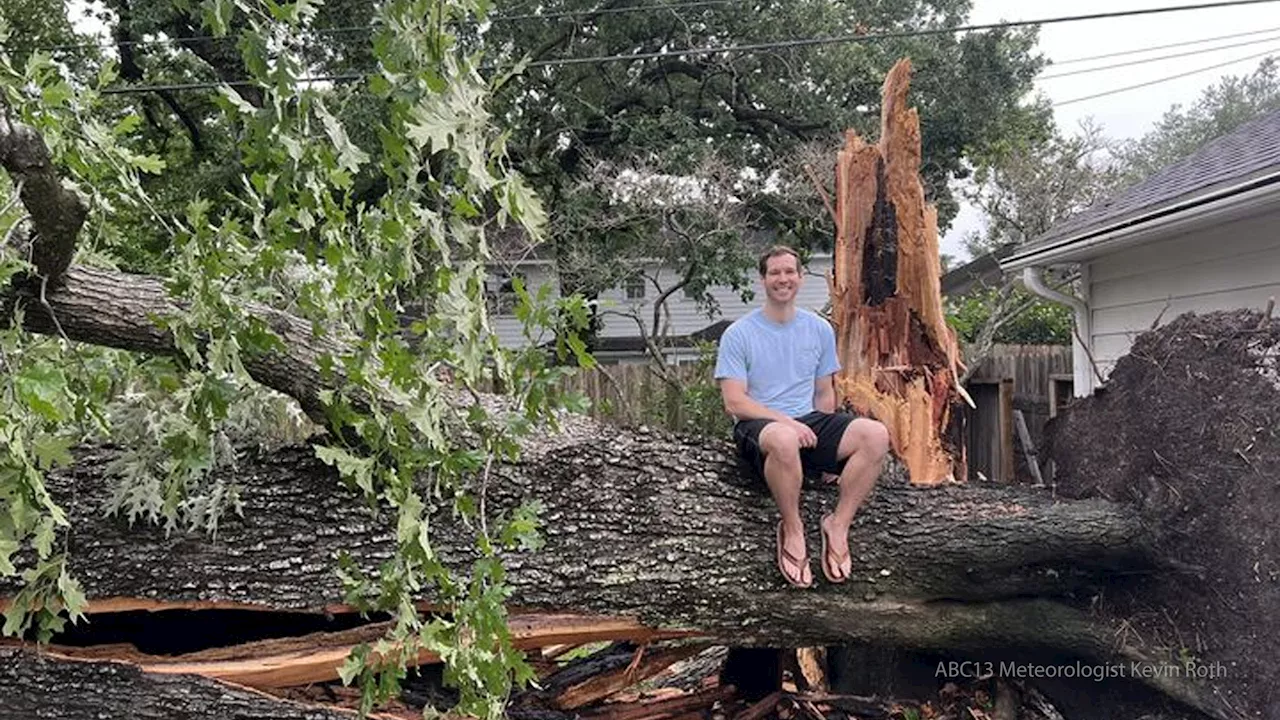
(1081, 356)
(1132, 230)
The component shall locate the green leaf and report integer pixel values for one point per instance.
(7, 549)
(73, 598)
(126, 125)
(44, 537)
(15, 617)
(217, 15)
(52, 451)
(350, 157)
(41, 387)
(352, 667)
(147, 163)
(352, 468)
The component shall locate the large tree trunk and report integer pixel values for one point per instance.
(646, 524)
(656, 532)
(900, 360)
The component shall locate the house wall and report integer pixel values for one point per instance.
(683, 315)
(1231, 266)
(506, 326)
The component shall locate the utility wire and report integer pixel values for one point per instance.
(873, 37)
(347, 77)
(1157, 81)
(613, 11)
(1158, 58)
(759, 46)
(138, 89)
(351, 29)
(1184, 43)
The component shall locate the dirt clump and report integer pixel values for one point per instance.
(1187, 428)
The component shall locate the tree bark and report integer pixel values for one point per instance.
(656, 528)
(670, 533)
(42, 687)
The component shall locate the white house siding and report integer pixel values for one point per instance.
(686, 317)
(1235, 265)
(506, 326)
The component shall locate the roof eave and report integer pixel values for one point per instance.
(1215, 206)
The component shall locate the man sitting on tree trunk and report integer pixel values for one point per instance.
(776, 368)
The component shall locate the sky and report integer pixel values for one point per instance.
(1128, 114)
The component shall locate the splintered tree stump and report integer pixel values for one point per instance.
(900, 360)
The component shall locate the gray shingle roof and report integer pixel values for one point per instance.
(1250, 151)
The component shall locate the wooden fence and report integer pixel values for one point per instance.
(1014, 377)
(635, 394)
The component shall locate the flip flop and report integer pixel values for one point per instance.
(839, 564)
(801, 562)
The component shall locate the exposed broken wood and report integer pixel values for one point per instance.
(886, 294)
(605, 684)
(652, 710)
(864, 708)
(762, 708)
(316, 657)
(810, 662)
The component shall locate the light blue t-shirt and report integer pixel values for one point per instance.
(779, 362)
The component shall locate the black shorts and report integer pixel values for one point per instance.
(829, 427)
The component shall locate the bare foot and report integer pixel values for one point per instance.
(793, 557)
(837, 565)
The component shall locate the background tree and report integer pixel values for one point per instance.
(1221, 108)
(753, 112)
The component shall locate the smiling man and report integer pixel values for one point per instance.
(776, 368)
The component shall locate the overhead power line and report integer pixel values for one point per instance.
(756, 47)
(613, 11)
(893, 35)
(1157, 81)
(1185, 43)
(1143, 61)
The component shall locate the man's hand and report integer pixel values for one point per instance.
(804, 433)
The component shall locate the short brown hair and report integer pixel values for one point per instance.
(777, 251)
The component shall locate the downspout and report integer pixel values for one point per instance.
(1081, 362)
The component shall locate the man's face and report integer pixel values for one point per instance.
(782, 278)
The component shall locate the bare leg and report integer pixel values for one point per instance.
(864, 443)
(783, 474)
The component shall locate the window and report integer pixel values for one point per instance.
(634, 287)
(500, 295)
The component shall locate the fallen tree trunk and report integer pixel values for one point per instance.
(669, 534)
(657, 528)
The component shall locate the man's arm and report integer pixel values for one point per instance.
(824, 394)
(740, 405)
